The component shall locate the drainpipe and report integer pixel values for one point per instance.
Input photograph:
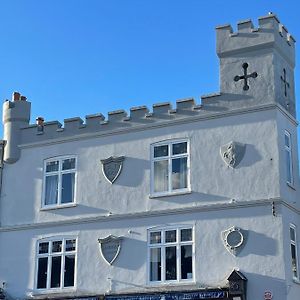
(2, 144)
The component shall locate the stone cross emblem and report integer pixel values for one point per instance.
(110, 248)
(232, 153)
(112, 167)
(245, 77)
(286, 84)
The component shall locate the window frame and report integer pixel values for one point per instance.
(60, 172)
(288, 149)
(162, 245)
(49, 255)
(294, 243)
(169, 158)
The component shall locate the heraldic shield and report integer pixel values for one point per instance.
(110, 248)
(233, 153)
(112, 167)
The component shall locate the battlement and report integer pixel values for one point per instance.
(270, 33)
(116, 120)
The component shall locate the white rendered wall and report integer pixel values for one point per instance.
(261, 260)
(256, 177)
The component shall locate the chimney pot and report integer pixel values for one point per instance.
(16, 96)
(40, 121)
(23, 98)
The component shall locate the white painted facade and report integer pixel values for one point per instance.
(253, 196)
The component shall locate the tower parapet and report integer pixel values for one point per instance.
(270, 33)
(257, 64)
(16, 115)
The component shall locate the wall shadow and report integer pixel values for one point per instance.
(133, 254)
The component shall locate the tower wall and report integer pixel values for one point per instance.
(16, 114)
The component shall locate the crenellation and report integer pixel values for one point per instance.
(268, 22)
(245, 26)
(161, 109)
(52, 126)
(73, 123)
(94, 120)
(185, 104)
(139, 112)
(117, 116)
(270, 33)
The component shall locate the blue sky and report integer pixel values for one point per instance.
(79, 57)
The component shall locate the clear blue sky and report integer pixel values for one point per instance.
(78, 57)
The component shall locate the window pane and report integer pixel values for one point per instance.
(171, 273)
(51, 190)
(55, 271)
(155, 264)
(56, 246)
(179, 148)
(52, 166)
(288, 167)
(155, 237)
(179, 173)
(287, 140)
(292, 234)
(186, 262)
(43, 248)
(160, 151)
(186, 235)
(69, 270)
(68, 181)
(68, 164)
(70, 245)
(161, 176)
(294, 261)
(170, 236)
(42, 273)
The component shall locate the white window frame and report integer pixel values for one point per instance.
(162, 246)
(170, 191)
(49, 255)
(288, 149)
(60, 172)
(294, 243)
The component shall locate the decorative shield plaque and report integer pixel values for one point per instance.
(110, 248)
(234, 239)
(232, 153)
(112, 167)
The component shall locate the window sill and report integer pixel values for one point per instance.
(296, 280)
(170, 194)
(53, 207)
(171, 283)
(291, 186)
(54, 291)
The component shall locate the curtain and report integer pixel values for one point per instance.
(51, 190)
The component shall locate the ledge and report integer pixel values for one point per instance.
(54, 207)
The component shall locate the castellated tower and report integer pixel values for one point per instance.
(16, 115)
(257, 64)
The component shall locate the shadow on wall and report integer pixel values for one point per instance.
(79, 209)
(257, 285)
(136, 168)
(251, 157)
(259, 244)
(194, 196)
(133, 254)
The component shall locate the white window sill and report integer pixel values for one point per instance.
(296, 280)
(52, 207)
(171, 283)
(291, 186)
(53, 291)
(169, 194)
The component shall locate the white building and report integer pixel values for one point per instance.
(196, 202)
